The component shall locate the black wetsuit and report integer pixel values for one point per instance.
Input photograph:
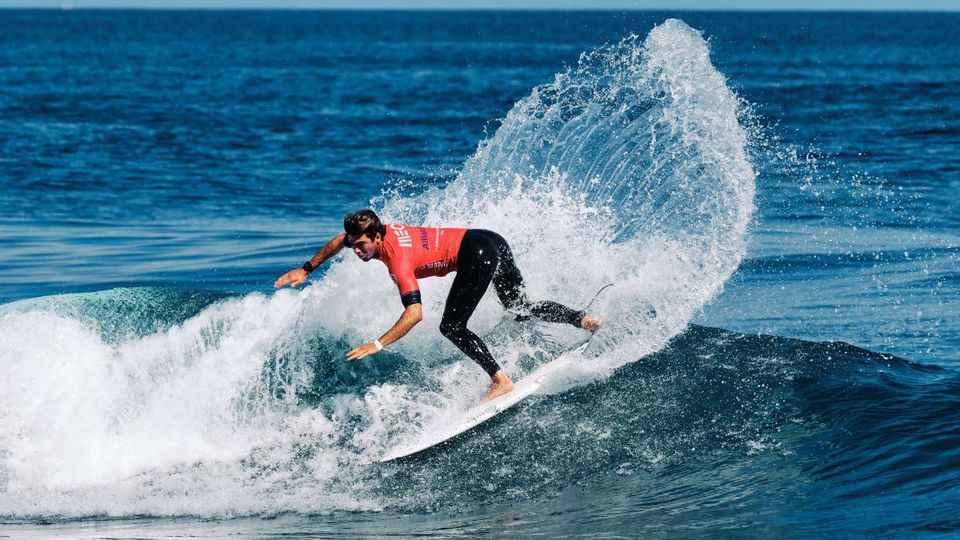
(484, 256)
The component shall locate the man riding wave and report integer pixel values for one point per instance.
(477, 256)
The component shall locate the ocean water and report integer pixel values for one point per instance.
(773, 196)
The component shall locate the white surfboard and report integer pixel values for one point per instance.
(475, 416)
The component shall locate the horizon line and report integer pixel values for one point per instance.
(69, 7)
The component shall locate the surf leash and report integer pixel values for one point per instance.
(592, 300)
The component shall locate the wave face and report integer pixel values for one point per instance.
(245, 408)
(629, 168)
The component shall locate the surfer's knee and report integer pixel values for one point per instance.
(516, 299)
(452, 329)
(512, 297)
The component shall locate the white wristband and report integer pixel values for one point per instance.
(378, 344)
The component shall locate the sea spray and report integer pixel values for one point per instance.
(630, 168)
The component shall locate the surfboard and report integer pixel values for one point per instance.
(473, 417)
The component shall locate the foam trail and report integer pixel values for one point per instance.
(84, 418)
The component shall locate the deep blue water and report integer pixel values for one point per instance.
(159, 170)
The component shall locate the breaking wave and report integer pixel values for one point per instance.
(629, 168)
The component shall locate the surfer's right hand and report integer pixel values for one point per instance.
(294, 278)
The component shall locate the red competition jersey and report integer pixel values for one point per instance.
(418, 252)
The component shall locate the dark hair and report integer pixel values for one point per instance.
(365, 222)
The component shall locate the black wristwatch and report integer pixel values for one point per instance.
(308, 267)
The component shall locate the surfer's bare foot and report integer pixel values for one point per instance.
(500, 385)
(590, 324)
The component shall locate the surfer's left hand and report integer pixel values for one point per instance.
(362, 351)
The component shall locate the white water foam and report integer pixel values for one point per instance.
(630, 168)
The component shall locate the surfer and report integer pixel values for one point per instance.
(478, 257)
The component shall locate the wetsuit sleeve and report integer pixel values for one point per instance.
(406, 281)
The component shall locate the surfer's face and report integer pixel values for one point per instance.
(363, 246)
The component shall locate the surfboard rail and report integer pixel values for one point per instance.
(434, 435)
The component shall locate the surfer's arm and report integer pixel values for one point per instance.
(412, 314)
(297, 276)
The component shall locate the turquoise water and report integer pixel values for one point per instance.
(772, 195)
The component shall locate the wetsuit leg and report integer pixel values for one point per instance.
(477, 261)
(484, 256)
(508, 283)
